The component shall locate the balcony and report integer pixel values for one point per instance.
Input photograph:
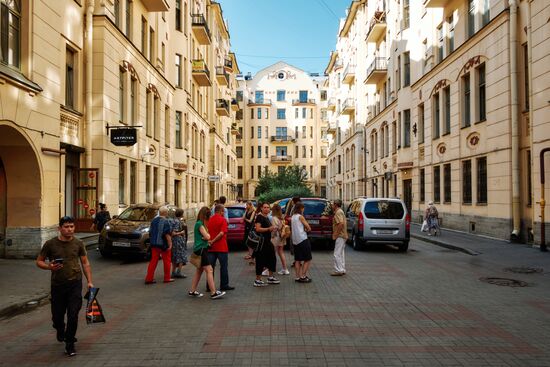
(348, 107)
(303, 102)
(200, 29)
(260, 102)
(228, 65)
(281, 158)
(377, 27)
(332, 127)
(201, 74)
(239, 115)
(377, 70)
(282, 139)
(349, 74)
(156, 5)
(235, 105)
(338, 178)
(234, 129)
(331, 104)
(222, 76)
(436, 3)
(222, 107)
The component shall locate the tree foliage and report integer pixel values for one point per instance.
(278, 193)
(288, 182)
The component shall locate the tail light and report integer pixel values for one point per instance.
(361, 223)
(408, 222)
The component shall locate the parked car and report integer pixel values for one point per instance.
(282, 203)
(319, 214)
(128, 233)
(235, 229)
(378, 220)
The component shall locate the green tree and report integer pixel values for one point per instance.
(287, 181)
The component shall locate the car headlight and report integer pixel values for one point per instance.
(144, 230)
(107, 227)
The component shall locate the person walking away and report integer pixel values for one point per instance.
(277, 237)
(302, 246)
(265, 256)
(290, 211)
(160, 238)
(67, 260)
(248, 217)
(430, 215)
(339, 235)
(200, 248)
(179, 244)
(101, 218)
(217, 227)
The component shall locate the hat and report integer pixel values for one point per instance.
(430, 203)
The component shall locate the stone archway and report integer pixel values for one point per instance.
(21, 198)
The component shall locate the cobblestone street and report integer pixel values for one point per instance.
(423, 308)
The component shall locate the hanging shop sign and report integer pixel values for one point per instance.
(124, 136)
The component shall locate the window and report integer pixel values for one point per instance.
(296, 151)
(156, 189)
(148, 184)
(143, 35)
(450, 34)
(252, 172)
(133, 101)
(406, 17)
(486, 13)
(259, 171)
(129, 19)
(163, 55)
(311, 152)
(435, 117)
(482, 111)
(303, 132)
(240, 172)
(281, 95)
(393, 137)
(311, 132)
(121, 95)
(303, 151)
(437, 184)
(447, 106)
(267, 113)
(156, 118)
(471, 18)
(148, 125)
(178, 15)
(167, 125)
(179, 144)
(466, 104)
(166, 191)
(281, 113)
(259, 95)
(251, 152)
(422, 185)
(239, 96)
(529, 179)
(525, 76)
(280, 151)
(70, 79)
(420, 127)
(281, 132)
(259, 129)
(323, 95)
(116, 12)
(252, 114)
(406, 128)
(267, 151)
(467, 182)
(440, 43)
(151, 44)
(406, 69)
(259, 151)
(447, 183)
(398, 73)
(259, 113)
(185, 16)
(133, 182)
(296, 132)
(122, 181)
(323, 172)
(178, 71)
(251, 132)
(239, 151)
(482, 180)
(303, 96)
(304, 112)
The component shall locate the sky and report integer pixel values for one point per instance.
(300, 32)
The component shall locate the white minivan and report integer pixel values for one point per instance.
(378, 220)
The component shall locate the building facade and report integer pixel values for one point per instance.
(280, 124)
(77, 76)
(453, 110)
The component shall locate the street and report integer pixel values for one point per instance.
(426, 307)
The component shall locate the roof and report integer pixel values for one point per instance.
(354, 6)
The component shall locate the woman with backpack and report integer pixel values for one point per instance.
(279, 236)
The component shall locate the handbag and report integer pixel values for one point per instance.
(255, 241)
(195, 260)
(424, 227)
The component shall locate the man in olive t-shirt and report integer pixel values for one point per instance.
(65, 254)
(340, 235)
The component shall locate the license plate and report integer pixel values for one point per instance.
(384, 231)
(121, 244)
(232, 226)
(313, 221)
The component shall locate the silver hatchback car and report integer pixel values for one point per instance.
(378, 220)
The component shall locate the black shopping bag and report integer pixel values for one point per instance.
(94, 313)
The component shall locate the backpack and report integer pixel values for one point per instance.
(285, 232)
(432, 211)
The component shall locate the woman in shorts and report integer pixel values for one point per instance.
(302, 246)
(277, 236)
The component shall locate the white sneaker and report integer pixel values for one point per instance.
(265, 272)
(283, 272)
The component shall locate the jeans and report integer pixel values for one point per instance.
(67, 298)
(339, 257)
(223, 259)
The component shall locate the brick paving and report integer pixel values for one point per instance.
(423, 308)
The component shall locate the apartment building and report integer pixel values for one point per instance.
(453, 109)
(280, 124)
(79, 76)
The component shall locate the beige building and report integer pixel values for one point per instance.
(280, 124)
(453, 109)
(74, 75)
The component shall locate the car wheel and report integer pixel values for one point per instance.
(105, 253)
(356, 242)
(404, 246)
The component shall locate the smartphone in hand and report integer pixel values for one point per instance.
(58, 260)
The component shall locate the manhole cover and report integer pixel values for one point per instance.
(523, 270)
(504, 282)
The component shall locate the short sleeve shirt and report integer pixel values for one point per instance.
(217, 224)
(339, 217)
(200, 243)
(158, 230)
(264, 223)
(70, 252)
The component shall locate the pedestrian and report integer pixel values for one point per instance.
(179, 244)
(265, 255)
(217, 227)
(431, 216)
(302, 246)
(100, 218)
(202, 238)
(248, 217)
(222, 200)
(277, 237)
(290, 211)
(67, 260)
(160, 238)
(340, 236)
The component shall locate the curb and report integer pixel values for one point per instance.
(22, 307)
(446, 245)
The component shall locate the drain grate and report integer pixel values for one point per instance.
(523, 270)
(504, 282)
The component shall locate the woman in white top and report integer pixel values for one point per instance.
(302, 247)
(277, 236)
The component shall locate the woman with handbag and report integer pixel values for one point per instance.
(200, 249)
(265, 252)
(278, 237)
(248, 217)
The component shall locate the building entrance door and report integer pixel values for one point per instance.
(407, 194)
(85, 203)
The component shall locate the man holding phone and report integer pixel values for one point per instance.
(66, 254)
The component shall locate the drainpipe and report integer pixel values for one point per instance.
(516, 213)
(88, 82)
(543, 247)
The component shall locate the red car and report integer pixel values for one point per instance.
(235, 229)
(319, 214)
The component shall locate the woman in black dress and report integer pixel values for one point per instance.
(265, 256)
(249, 215)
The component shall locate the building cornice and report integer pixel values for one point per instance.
(331, 62)
(354, 6)
(219, 17)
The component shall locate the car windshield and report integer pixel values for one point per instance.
(235, 212)
(316, 207)
(282, 203)
(384, 209)
(139, 214)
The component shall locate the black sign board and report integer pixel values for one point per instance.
(124, 136)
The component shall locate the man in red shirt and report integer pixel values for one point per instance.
(217, 227)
